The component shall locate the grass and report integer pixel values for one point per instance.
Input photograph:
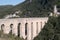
(9, 36)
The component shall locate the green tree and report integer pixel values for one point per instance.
(48, 32)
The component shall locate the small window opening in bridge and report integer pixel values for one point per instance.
(19, 29)
(2, 27)
(11, 26)
(26, 28)
(36, 27)
(31, 30)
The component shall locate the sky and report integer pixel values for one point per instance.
(10, 2)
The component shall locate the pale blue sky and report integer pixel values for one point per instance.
(9, 2)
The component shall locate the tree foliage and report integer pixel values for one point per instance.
(51, 30)
(35, 8)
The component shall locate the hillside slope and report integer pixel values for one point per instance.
(34, 8)
(3, 9)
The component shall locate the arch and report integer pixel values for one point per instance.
(36, 27)
(31, 30)
(2, 27)
(41, 24)
(11, 26)
(19, 29)
(26, 28)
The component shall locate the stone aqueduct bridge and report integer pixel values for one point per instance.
(23, 27)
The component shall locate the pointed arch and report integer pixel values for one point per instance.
(31, 30)
(36, 27)
(2, 27)
(26, 28)
(19, 29)
(41, 24)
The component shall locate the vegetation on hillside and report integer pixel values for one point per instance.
(33, 8)
(5, 7)
(4, 10)
(51, 30)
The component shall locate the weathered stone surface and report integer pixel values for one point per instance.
(34, 26)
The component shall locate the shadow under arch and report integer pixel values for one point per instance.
(2, 27)
(26, 24)
(19, 29)
(11, 26)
